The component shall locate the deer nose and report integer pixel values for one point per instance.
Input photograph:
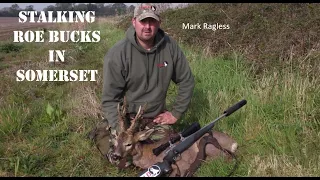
(116, 156)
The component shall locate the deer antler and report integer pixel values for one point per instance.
(120, 119)
(133, 122)
(131, 129)
(122, 114)
(124, 106)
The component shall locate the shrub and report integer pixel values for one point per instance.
(10, 47)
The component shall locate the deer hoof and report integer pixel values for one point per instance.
(234, 147)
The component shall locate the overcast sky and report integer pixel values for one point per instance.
(40, 6)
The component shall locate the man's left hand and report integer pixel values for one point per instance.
(165, 118)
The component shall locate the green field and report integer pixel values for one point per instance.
(43, 125)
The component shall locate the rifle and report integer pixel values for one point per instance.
(195, 126)
(164, 168)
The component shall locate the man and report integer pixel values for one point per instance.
(141, 67)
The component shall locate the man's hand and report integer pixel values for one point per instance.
(165, 118)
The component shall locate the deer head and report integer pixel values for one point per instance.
(126, 139)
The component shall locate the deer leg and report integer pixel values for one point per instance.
(174, 172)
(212, 152)
(225, 141)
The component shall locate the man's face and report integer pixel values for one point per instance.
(146, 29)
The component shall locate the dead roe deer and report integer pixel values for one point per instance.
(128, 142)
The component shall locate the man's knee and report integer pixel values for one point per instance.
(161, 131)
(101, 136)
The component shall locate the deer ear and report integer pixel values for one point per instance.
(143, 135)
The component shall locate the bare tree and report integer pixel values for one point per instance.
(160, 6)
(130, 9)
(163, 6)
(29, 8)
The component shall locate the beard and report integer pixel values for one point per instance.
(147, 35)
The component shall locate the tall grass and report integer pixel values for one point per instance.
(43, 126)
(278, 130)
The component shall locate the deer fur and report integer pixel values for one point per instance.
(128, 142)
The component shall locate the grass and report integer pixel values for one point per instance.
(43, 125)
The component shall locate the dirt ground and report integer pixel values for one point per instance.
(10, 24)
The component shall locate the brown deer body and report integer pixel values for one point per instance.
(129, 142)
